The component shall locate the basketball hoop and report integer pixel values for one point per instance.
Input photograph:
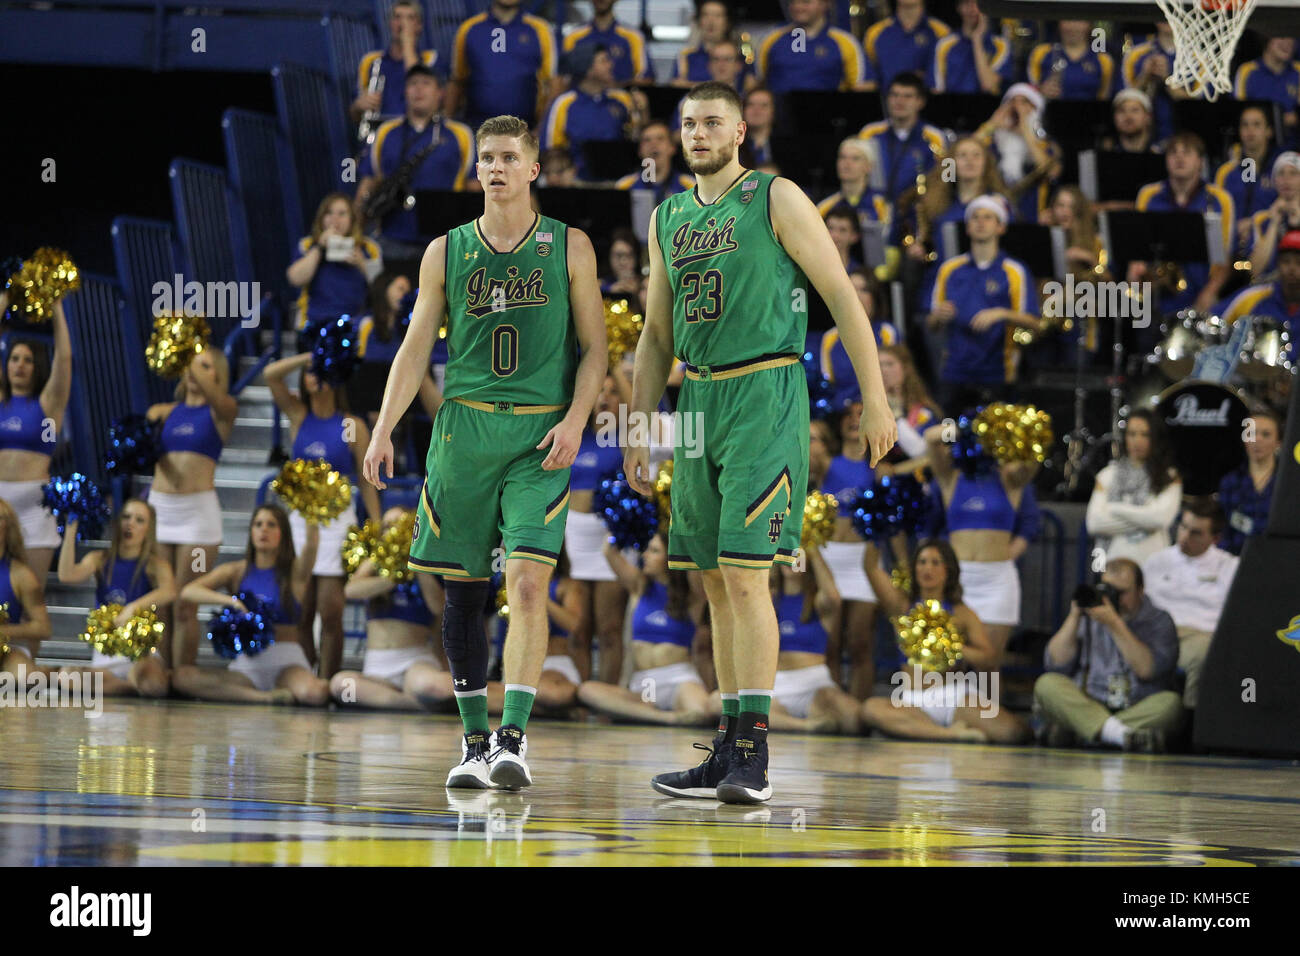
(1205, 35)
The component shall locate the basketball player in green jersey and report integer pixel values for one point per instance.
(727, 294)
(526, 359)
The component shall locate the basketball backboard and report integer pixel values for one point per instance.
(1272, 17)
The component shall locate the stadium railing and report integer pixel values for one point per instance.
(312, 124)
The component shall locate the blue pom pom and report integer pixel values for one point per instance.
(404, 309)
(893, 505)
(820, 390)
(967, 453)
(10, 267)
(132, 445)
(234, 632)
(632, 520)
(77, 498)
(333, 344)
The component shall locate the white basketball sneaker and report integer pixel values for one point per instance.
(509, 770)
(472, 771)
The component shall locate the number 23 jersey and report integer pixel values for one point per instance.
(737, 294)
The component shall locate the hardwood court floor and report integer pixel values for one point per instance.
(177, 783)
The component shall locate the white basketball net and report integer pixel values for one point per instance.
(1205, 34)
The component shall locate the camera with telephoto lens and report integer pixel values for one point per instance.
(1092, 595)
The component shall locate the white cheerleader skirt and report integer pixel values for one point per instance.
(391, 664)
(329, 557)
(193, 518)
(992, 590)
(584, 541)
(844, 559)
(265, 668)
(562, 664)
(116, 665)
(658, 685)
(27, 498)
(795, 689)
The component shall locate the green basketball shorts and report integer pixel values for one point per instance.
(740, 502)
(485, 486)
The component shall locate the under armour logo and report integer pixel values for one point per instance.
(471, 255)
(774, 526)
(462, 682)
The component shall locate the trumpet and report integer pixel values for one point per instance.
(370, 121)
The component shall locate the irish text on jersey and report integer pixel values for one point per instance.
(691, 245)
(484, 295)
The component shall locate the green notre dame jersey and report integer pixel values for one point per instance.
(736, 293)
(510, 334)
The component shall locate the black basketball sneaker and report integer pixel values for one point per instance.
(702, 780)
(746, 779)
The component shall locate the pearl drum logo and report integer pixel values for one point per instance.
(691, 245)
(1188, 411)
(484, 295)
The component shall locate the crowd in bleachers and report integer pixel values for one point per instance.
(945, 155)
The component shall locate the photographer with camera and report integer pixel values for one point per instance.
(1110, 667)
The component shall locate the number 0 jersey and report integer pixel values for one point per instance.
(737, 294)
(510, 333)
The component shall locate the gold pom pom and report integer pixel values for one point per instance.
(928, 637)
(393, 549)
(45, 278)
(819, 512)
(313, 489)
(901, 579)
(664, 492)
(503, 603)
(176, 339)
(622, 328)
(358, 545)
(1014, 433)
(4, 619)
(139, 637)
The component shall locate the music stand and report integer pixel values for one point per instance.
(1216, 123)
(1077, 124)
(820, 113)
(1112, 176)
(1027, 242)
(960, 112)
(662, 101)
(1160, 237)
(597, 212)
(438, 211)
(610, 159)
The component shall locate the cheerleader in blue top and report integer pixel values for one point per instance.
(957, 711)
(270, 569)
(29, 622)
(665, 688)
(322, 428)
(34, 390)
(379, 335)
(400, 670)
(133, 573)
(806, 696)
(183, 494)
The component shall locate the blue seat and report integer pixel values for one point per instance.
(256, 163)
(313, 121)
(103, 340)
(145, 253)
(348, 41)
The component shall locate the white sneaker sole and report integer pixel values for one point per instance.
(466, 780)
(510, 774)
(731, 793)
(696, 793)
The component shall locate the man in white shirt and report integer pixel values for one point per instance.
(1190, 580)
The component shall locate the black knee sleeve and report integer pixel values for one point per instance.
(463, 637)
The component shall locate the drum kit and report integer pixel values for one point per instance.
(1205, 376)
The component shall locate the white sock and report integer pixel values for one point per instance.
(1114, 730)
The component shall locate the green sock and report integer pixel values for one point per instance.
(519, 704)
(473, 712)
(730, 705)
(755, 703)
